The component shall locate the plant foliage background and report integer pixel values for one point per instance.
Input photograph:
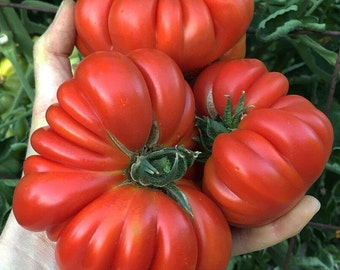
(300, 38)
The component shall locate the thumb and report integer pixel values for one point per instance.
(51, 63)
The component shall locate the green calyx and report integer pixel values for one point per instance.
(160, 168)
(209, 128)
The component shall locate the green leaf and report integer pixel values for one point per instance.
(11, 157)
(278, 252)
(334, 161)
(7, 187)
(312, 23)
(309, 58)
(6, 196)
(40, 4)
(278, 24)
(31, 26)
(326, 54)
(312, 263)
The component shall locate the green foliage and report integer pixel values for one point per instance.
(7, 188)
(299, 38)
(18, 29)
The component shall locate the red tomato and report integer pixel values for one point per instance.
(193, 32)
(140, 228)
(114, 108)
(104, 183)
(238, 51)
(264, 161)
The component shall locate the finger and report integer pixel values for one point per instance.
(52, 67)
(51, 63)
(253, 239)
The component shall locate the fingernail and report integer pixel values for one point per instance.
(316, 204)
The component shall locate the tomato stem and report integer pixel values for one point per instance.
(209, 128)
(161, 167)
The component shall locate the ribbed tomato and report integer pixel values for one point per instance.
(106, 182)
(267, 147)
(193, 32)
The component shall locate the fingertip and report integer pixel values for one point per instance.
(59, 38)
(65, 4)
(287, 226)
(316, 203)
(311, 204)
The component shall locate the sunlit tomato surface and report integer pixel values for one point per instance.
(104, 183)
(140, 228)
(193, 32)
(269, 151)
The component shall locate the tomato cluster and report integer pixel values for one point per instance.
(116, 181)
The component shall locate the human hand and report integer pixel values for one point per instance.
(22, 249)
(287, 226)
(19, 248)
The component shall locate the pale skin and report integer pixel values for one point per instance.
(22, 249)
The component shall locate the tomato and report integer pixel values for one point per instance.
(193, 32)
(140, 228)
(238, 51)
(116, 147)
(114, 107)
(268, 148)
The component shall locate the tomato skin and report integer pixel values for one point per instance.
(140, 228)
(260, 170)
(232, 78)
(238, 51)
(53, 197)
(90, 132)
(193, 33)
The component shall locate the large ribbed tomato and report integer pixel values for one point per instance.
(193, 32)
(104, 183)
(267, 147)
(130, 227)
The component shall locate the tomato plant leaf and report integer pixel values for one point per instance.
(6, 194)
(312, 23)
(334, 161)
(326, 54)
(11, 158)
(31, 26)
(278, 24)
